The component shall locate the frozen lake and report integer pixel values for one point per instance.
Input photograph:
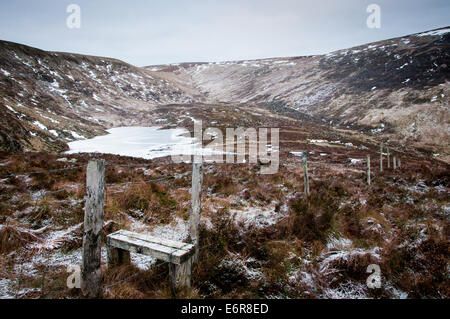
(142, 142)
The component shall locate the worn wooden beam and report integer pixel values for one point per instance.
(93, 224)
(159, 248)
(196, 205)
(158, 240)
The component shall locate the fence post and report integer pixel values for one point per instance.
(93, 224)
(368, 169)
(394, 163)
(381, 157)
(305, 171)
(388, 158)
(196, 205)
(399, 163)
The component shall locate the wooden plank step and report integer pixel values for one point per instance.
(159, 248)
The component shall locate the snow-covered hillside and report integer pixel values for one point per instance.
(53, 98)
(396, 88)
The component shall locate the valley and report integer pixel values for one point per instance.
(261, 237)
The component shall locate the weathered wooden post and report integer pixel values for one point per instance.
(196, 205)
(388, 158)
(381, 157)
(305, 173)
(368, 169)
(180, 275)
(399, 163)
(93, 224)
(394, 163)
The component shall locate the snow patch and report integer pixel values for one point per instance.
(258, 217)
(355, 161)
(434, 33)
(6, 73)
(40, 125)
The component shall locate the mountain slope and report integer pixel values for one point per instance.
(396, 88)
(50, 98)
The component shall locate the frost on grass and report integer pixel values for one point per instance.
(240, 266)
(341, 252)
(326, 276)
(257, 217)
(56, 239)
(5, 290)
(177, 230)
(346, 290)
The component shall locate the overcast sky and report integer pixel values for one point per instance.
(148, 32)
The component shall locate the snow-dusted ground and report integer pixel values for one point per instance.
(49, 255)
(258, 217)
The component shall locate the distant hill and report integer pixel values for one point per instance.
(397, 89)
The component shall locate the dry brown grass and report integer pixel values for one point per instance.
(153, 200)
(13, 238)
(126, 290)
(334, 207)
(420, 270)
(311, 218)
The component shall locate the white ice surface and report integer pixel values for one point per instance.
(142, 142)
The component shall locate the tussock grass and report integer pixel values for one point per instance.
(153, 200)
(312, 218)
(13, 238)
